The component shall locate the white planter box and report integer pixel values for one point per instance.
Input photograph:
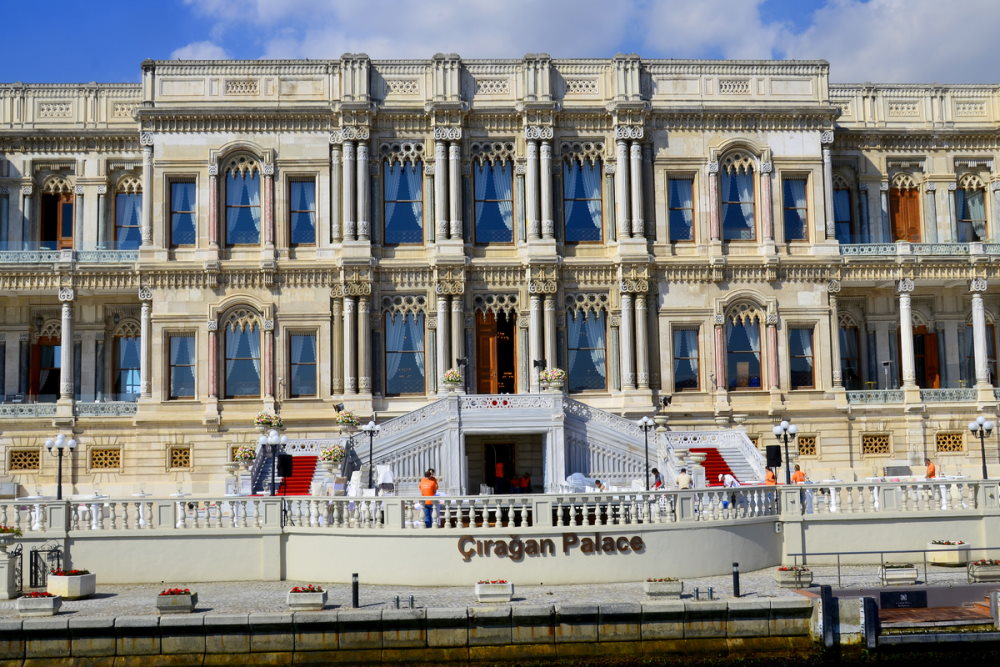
(664, 589)
(983, 573)
(898, 576)
(306, 601)
(948, 554)
(793, 578)
(176, 604)
(494, 592)
(38, 606)
(72, 588)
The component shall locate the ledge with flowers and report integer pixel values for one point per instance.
(950, 552)
(552, 379)
(72, 584)
(332, 459)
(984, 570)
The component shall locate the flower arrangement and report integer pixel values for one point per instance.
(268, 420)
(662, 579)
(793, 568)
(346, 418)
(552, 375)
(10, 530)
(896, 565)
(38, 594)
(948, 542)
(332, 454)
(59, 572)
(493, 581)
(176, 591)
(453, 376)
(244, 454)
(986, 562)
(311, 588)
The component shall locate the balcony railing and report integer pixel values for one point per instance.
(875, 396)
(27, 410)
(106, 409)
(948, 394)
(905, 248)
(39, 256)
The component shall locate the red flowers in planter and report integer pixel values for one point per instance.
(986, 562)
(493, 581)
(793, 568)
(39, 594)
(311, 588)
(176, 591)
(68, 573)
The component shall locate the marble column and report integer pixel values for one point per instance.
(885, 234)
(268, 184)
(550, 330)
(455, 189)
(364, 357)
(443, 347)
(931, 217)
(213, 206)
(350, 359)
(773, 377)
(145, 341)
(337, 356)
(363, 192)
(267, 359)
(952, 223)
(146, 220)
(714, 222)
(213, 356)
(336, 178)
(904, 288)
(27, 238)
(102, 234)
(531, 189)
(545, 175)
(441, 189)
(641, 343)
(977, 287)
(838, 381)
(78, 210)
(622, 189)
(720, 353)
(992, 233)
(635, 181)
(627, 338)
(66, 296)
(766, 202)
(347, 192)
(535, 338)
(457, 333)
(826, 138)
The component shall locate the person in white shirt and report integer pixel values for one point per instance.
(684, 480)
(729, 481)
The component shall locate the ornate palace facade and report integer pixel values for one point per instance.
(744, 239)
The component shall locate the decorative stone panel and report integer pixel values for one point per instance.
(950, 441)
(178, 458)
(807, 445)
(24, 459)
(875, 444)
(106, 458)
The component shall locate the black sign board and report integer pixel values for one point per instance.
(903, 600)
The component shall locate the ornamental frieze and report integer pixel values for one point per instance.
(449, 287)
(543, 286)
(341, 290)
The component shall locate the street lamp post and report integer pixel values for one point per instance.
(646, 424)
(782, 432)
(274, 440)
(60, 443)
(372, 429)
(982, 428)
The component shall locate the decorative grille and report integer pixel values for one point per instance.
(875, 443)
(106, 459)
(807, 445)
(180, 457)
(950, 442)
(25, 459)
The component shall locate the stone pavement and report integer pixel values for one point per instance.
(269, 596)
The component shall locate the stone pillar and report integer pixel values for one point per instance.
(66, 296)
(363, 192)
(443, 348)
(364, 357)
(336, 178)
(826, 138)
(535, 338)
(267, 359)
(952, 223)
(146, 221)
(714, 222)
(102, 234)
(641, 343)
(78, 210)
(441, 189)
(337, 329)
(627, 338)
(766, 202)
(622, 189)
(213, 206)
(635, 180)
(833, 288)
(930, 215)
(347, 194)
(977, 287)
(145, 341)
(773, 377)
(350, 360)
(457, 332)
(550, 330)
(455, 189)
(992, 229)
(213, 356)
(545, 169)
(904, 288)
(27, 238)
(720, 353)
(268, 185)
(884, 233)
(531, 189)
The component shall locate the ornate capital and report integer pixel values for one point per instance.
(883, 186)
(713, 167)
(146, 139)
(268, 325)
(833, 287)
(633, 285)
(538, 132)
(766, 167)
(977, 285)
(826, 137)
(931, 186)
(772, 319)
(213, 170)
(102, 189)
(952, 187)
(66, 294)
(520, 169)
(609, 168)
(352, 133)
(78, 189)
(542, 286)
(615, 320)
(905, 286)
(446, 133)
(26, 190)
(268, 170)
(628, 132)
(212, 325)
(523, 322)
(145, 294)
(719, 319)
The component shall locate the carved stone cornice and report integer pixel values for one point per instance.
(237, 120)
(449, 280)
(341, 290)
(538, 132)
(745, 119)
(634, 278)
(447, 133)
(350, 133)
(78, 141)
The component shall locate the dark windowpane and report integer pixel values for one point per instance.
(737, 206)
(794, 204)
(126, 373)
(404, 203)
(842, 215)
(302, 212)
(302, 356)
(493, 203)
(685, 359)
(182, 214)
(800, 353)
(743, 357)
(182, 367)
(681, 209)
(242, 208)
(128, 209)
(404, 354)
(582, 201)
(586, 339)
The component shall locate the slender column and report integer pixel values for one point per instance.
(838, 381)
(337, 329)
(545, 168)
(457, 332)
(350, 361)
(621, 189)
(906, 333)
(885, 233)
(992, 230)
(977, 287)
(714, 224)
(364, 358)
(347, 194)
(635, 180)
(720, 353)
(773, 380)
(102, 235)
(146, 139)
(27, 238)
(531, 189)
(550, 330)
(441, 189)
(213, 355)
(443, 349)
(213, 206)
(931, 217)
(267, 360)
(268, 205)
(455, 189)
(952, 223)
(336, 178)
(145, 341)
(641, 345)
(766, 202)
(66, 296)
(627, 338)
(78, 209)
(535, 337)
(831, 223)
(364, 190)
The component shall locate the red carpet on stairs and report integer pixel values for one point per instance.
(298, 484)
(714, 465)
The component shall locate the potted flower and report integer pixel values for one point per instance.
(984, 570)
(265, 420)
(244, 455)
(948, 552)
(332, 457)
(494, 590)
(897, 574)
(307, 598)
(176, 601)
(453, 379)
(38, 603)
(667, 587)
(8, 534)
(72, 584)
(346, 420)
(794, 576)
(553, 378)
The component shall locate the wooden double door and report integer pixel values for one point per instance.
(904, 212)
(496, 353)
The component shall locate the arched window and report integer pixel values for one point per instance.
(242, 354)
(403, 193)
(582, 214)
(586, 338)
(404, 353)
(970, 209)
(243, 201)
(850, 353)
(56, 215)
(904, 209)
(737, 185)
(127, 355)
(492, 177)
(128, 210)
(743, 359)
(843, 220)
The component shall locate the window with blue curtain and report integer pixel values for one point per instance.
(842, 215)
(794, 205)
(800, 358)
(970, 208)
(302, 365)
(494, 205)
(686, 377)
(737, 205)
(743, 354)
(182, 366)
(128, 210)
(404, 354)
(404, 202)
(680, 209)
(850, 357)
(242, 207)
(586, 341)
(302, 212)
(242, 355)
(126, 373)
(182, 213)
(583, 219)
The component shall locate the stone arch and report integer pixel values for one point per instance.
(127, 328)
(129, 184)
(904, 181)
(971, 182)
(57, 185)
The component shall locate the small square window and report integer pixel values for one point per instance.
(179, 458)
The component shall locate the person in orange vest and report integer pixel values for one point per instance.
(500, 484)
(428, 487)
(798, 477)
(769, 478)
(931, 469)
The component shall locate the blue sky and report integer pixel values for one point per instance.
(864, 40)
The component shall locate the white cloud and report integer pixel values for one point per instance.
(710, 28)
(200, 51)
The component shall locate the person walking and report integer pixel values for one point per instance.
(931, 469)
(657, 479)
(428, 487)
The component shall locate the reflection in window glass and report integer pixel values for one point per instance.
(404, 353)
(685, 359)
(582, 201)
(743, 354)
(842, 215)
(242, 207)
(126, 373)
(587, 343)
(494, 203)
(182, 213)
(737, 205)
(404, 203)
(971, 211)
(182, 367)
(242, 370)
(128, 207)
(302, 212)
(800, 357)
(794, 204)
(302, 361)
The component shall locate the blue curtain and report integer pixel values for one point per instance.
(128, 207)
(738, 206)
(587, 345)
(403, 195)
(303, 212)
(242, 362)
(404, 353)
(743, 345)
(242, 208)
(681, 209)
(842, 215)
(128, 369)
(685, 359)
(181, 366)
(795, 209)
(182, 206)
(303, 365)
(582, 201)
(494, 206)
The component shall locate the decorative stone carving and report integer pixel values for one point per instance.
(213, 170)
(78, 190)
(26, 190)
(713, 167)
(826, 137)
(268, 325)
(883, 186)
(523, 322)
(833, 287)
(978, 285)
(213, 325)
(520, 169)
(401, 152)
(446, 133)
(448, 287)
(145, 294)
(66, 294)
(766, 167)
(146, 139)
(905, 286)
(610, 168)
(629, 132)
(538, 132)
(350, 289)
(615, 320)
(268, 170)
(719, 319)
(951, 187)
(772, 319)
(102, 189)
(496, 303)
(351, 133)
(408, 304)
(542, 286)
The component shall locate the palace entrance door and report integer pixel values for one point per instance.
(495, 356)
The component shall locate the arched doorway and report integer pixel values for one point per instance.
(496, 356)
